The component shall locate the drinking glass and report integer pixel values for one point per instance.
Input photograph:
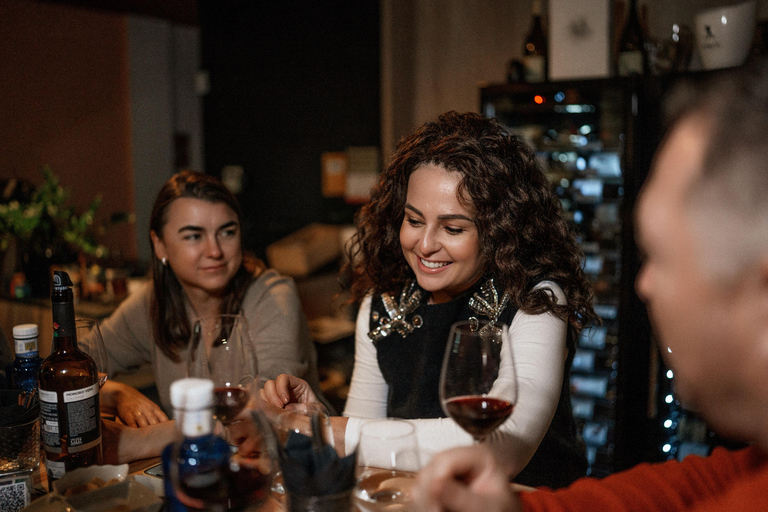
(387, 462)
(288, 422)
(222, 350)
(478, 385)
(90, 341)
(205, 475)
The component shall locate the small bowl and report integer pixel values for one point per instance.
(724, 34)
(131, 492)
(82, 476)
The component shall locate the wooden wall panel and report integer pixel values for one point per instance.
(64, 101)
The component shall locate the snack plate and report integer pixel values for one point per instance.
(128, 494)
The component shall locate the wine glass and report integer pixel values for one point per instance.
(387, 462)
(478, 386)
(90, 341)
(221, 349)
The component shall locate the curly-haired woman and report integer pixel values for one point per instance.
(463, 211)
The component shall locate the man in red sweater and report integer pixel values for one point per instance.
(703, 225)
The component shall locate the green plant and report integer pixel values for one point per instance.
(43, 222)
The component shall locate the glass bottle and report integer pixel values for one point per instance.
(631, 57)
(195, 468)
(535, 49)
(22, 372)
(70, 424)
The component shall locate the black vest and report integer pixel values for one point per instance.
(410, 338)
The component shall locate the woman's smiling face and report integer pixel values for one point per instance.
(201, 241)
(438, 236)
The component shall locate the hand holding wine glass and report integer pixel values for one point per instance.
(90, 341)
(221, 349)
(478, 385)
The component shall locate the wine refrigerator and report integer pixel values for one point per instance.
(595, 139)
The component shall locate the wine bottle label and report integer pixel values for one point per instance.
(630, 63)
(75, 418)
(534, 68)
(55, 468)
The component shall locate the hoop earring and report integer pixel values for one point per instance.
(164, 261)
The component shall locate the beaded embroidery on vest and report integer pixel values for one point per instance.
(485, 302)
(410, 298)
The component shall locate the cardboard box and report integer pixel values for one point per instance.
(334, 173)
(306, 250)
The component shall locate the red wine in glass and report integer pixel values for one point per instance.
(222, 350)
(478, 415)
(478, 386)
(248, 482)
(229, 402)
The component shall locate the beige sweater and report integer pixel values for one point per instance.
(277, 324)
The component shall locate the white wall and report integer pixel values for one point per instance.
(164, 60)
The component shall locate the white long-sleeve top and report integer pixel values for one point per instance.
(538, 343)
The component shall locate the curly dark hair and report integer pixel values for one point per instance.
(524, 237)
(170, 322)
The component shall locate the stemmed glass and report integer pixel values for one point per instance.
(221, 349)
(90, 341)
(387, 462)
(478, 385)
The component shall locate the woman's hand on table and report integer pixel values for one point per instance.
(464, 479)
(130, 405)
(122, 444)
(286, 391)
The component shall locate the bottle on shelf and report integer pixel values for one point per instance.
(535, 49)
(68, 381)
(631, 58)
(22, 372)
(198, 463)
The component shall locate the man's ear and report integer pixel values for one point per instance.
(158, 245)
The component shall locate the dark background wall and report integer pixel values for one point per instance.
(288, 81)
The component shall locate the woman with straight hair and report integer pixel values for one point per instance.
(199, 270)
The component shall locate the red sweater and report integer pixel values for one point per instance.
(723, 482)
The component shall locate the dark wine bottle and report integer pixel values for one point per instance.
(631, 58)
(70, 424)
(535, 49)
(22, 372)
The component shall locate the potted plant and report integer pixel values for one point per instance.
(38, 229)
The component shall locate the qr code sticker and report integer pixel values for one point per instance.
(14, 497)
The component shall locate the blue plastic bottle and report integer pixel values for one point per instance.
(22, 373)
(201, 458)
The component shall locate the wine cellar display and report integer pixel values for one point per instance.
(584, 137)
